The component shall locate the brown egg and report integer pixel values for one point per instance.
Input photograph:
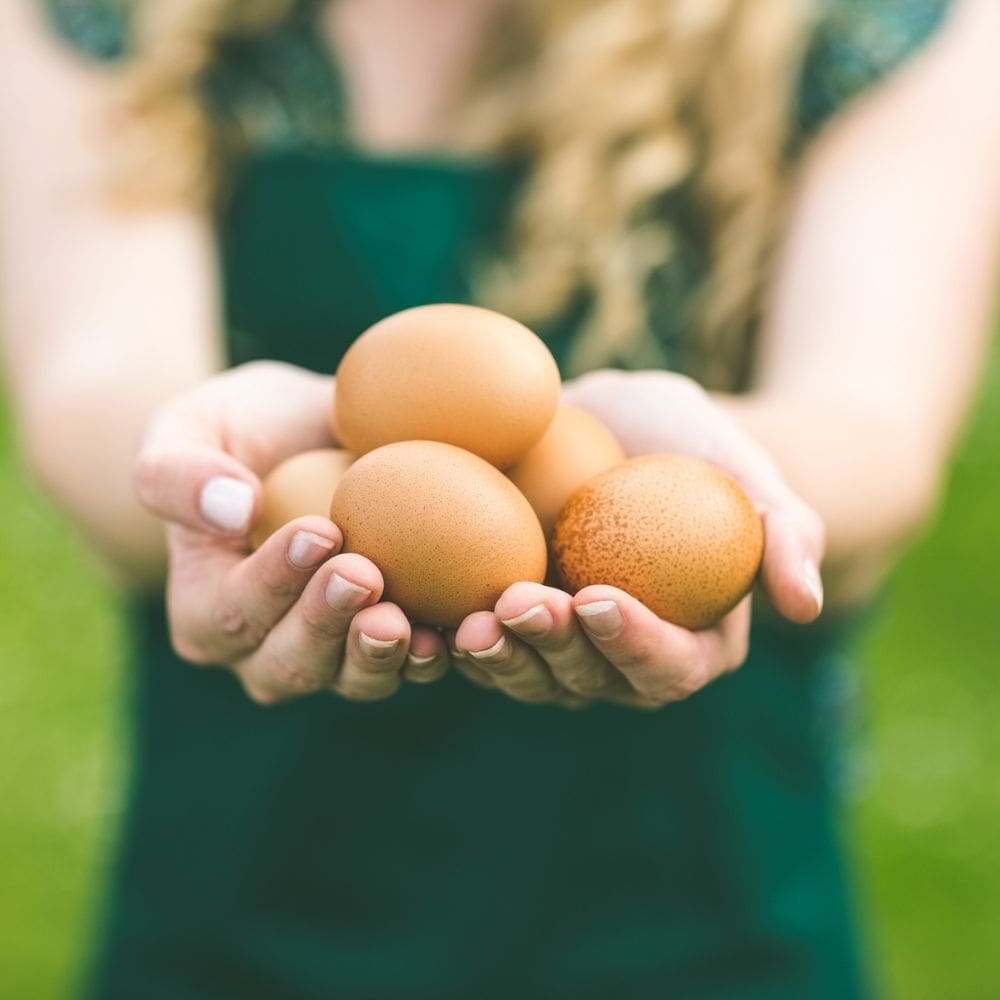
(453, 373)
(448, 531)
(675, 532)
(302, 484)
(575, 448)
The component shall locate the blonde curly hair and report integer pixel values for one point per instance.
(617, 105)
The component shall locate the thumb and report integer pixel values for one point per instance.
(198, 463)
(185, 479)
(793, 551)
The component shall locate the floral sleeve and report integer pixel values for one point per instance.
(98, 28)
(856, 44)
(277, 89)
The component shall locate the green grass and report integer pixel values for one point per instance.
(927, 827)
(61, 757)
(924, 829)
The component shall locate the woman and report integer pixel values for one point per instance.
(612, 173)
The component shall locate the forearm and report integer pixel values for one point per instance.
(80, 435)
(128, 331)
(130, 323)
(104, 312)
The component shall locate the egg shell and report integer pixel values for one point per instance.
(448, 531)
(576, 447)
(458, 374)
(675, 532)
(300, 485)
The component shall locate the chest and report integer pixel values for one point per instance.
(404, 65)
(318, 245)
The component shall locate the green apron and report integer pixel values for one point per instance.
(450, 842)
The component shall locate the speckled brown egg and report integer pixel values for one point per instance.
(448, 531)
(453, 373)
(675, 532)
(300, 485)
(575, 448)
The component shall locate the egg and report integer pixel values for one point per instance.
(458, 374)
(300, 485)
(448, 531)
(675, 532)
(575, 448)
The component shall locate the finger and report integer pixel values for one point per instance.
(223, 602)
(794, 534)
(515, 669)
(194, 469)
(302, 653)
(470, 670)
(427, 657)
(543, 618)
(202, 490)
(793, 550)
(374, 654)
(661, 661)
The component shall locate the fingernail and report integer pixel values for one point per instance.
(378, 648)
(226, 503)
(813, 582)
(535, 621)
(601, 618)
(419, 661)
(342, 595)
(492, 653)
(307, 549)
(421, 669)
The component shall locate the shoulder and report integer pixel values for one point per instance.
(855, 44)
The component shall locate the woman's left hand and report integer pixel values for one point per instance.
(543, 645)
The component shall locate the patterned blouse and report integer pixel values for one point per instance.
(282, 89)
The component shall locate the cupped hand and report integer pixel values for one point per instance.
(296, 616)
(658, 412)
(543, 645)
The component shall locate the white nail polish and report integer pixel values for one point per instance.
(813, 582)
(226, 503)
(602, 619)
(526, 617)
(595, 608)
(378, 647)
(495, 650)
(307, 549)
(342, 595)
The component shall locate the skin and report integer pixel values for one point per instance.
(876, 332)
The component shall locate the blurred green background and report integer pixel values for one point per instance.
(924, 824)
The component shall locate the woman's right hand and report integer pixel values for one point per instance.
(297, 616)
